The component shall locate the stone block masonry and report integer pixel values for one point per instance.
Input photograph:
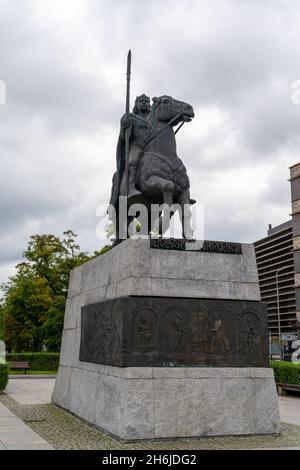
(136, 308)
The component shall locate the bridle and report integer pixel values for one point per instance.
(163, 128)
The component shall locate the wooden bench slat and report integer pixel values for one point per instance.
(290, 386)
(20, 365)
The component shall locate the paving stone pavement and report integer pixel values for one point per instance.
(30, 391)
(290, 408)
(64, 431)
(16, 435)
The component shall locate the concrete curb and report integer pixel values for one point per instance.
(29, 376)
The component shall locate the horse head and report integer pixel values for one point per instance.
(166, 108)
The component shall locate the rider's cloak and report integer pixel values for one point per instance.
(117, 177)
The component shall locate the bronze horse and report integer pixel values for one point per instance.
(161, 176)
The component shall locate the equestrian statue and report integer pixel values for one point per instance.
(149, 171)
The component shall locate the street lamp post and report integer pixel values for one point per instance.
(278, 307)
(270, 344)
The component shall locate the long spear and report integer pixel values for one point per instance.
(128, 74)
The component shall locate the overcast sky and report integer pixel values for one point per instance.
(63, 63)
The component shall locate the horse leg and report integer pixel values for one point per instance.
(154, 225)
(130, 219)
(184, 200)
(166, 187)
(165, 218)
(155, 183)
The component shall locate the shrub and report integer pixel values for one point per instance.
(286, 372)
(36, 361)
(4, 369)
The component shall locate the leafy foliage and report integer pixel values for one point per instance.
(3, 376)
(32, 309)
(36, 361)
(286, 372)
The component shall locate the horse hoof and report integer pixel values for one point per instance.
(189, 236)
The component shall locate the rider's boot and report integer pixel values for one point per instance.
(132, 191)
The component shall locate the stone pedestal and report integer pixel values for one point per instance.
(162, 343)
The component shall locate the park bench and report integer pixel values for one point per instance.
(19, 365)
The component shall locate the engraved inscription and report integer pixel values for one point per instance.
(222, 247)
(168, 243)
(208, 246)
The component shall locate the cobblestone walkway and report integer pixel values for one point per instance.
(65, 431)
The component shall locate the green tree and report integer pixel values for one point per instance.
(32, 308)
(27, 299)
